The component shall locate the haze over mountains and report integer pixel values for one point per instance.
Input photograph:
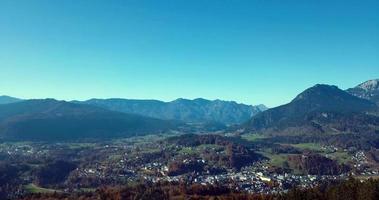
(49, 119)
(319, 109)
(194, 111)
(7, 99)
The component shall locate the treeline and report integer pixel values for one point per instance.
(179, 167)
(13, 176)
(54, 173)
(10, 183)
(351, 189)
(160, 191)
(316, 164)
(192, 140)
(357, 141)
(236, 155)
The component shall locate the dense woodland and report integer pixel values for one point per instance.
(315, 164)
(236, 154)
(351, 189)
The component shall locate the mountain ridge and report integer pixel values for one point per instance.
(196, 110)
(367, 90)
(49, 119)
(4, 99)
(321, 108)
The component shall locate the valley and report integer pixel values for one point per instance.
(266, 167)
(322, 138)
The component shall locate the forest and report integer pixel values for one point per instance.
(351, 189)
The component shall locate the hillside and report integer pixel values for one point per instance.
(194, 111)
(50, 119)
(7, 99)
(368, 90)
(321, 108)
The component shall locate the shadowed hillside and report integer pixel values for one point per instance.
(321, 108)
(49, 119)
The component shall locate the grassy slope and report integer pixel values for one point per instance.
(32, 188)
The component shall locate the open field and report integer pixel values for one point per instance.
(32, 188)
(253, 137)
(308, 146)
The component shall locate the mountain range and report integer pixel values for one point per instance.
(49, 119)
(192, 111)
(321, 109)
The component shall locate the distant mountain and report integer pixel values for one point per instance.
(368, 90)
(197, 110)
(319, 109)
(50, 119)
(8, 99)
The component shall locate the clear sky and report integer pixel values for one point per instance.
(250, 51)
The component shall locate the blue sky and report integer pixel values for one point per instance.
(250, 51)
